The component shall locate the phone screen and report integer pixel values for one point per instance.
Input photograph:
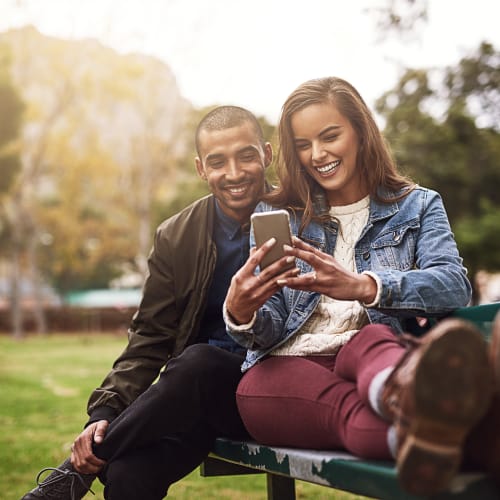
(275, 224)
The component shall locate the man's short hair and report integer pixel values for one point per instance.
(224, 117)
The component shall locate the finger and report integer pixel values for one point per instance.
(277, 268)
(281, 280)
(421, 321)
(297, 242)
(311, 255)
(301, 244)
(302, 282)
(256, 256)
(90, 466)
(100, 431)
(95, 461)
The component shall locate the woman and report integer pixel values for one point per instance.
(326, 365)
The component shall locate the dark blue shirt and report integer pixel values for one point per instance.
(231, 241)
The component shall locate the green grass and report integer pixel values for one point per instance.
(44, 386)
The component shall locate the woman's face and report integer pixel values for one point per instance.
(327, 147)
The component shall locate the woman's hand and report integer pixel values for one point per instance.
(328, 276)
(249, 291)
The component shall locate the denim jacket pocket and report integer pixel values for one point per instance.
(395, 249)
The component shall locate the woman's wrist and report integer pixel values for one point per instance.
(372, 288)
(237, 323)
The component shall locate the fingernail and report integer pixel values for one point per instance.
(281, 282)
(271, 241)
(287, 247)
(290, 259)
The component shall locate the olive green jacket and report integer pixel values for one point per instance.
(181, 266)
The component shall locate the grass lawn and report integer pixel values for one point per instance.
(44, 386)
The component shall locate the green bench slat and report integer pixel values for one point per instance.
(342, 471)
(482, 316)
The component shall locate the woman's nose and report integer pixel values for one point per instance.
(317, 152)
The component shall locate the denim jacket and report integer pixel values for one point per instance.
(408, 243)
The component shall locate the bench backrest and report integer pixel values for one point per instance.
(482, 316)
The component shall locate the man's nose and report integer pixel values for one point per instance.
(233, 170)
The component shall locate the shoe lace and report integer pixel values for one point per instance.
(64, 475)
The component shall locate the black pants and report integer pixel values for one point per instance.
(169, 430)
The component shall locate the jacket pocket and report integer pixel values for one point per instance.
(395, 249)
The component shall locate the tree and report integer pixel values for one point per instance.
(440, 138)
(399, 17)
(11, 109)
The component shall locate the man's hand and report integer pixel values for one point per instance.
(82, 455)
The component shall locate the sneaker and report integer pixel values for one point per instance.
(438, 393)
(64, 483)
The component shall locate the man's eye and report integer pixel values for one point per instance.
(216, 164)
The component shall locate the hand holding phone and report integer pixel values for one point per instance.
(267, 225)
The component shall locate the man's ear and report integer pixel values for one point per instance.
(268, 154)
(200, 169)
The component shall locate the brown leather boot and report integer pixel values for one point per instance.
(482, 450)
(437, 393)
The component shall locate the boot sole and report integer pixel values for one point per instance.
(453, 390)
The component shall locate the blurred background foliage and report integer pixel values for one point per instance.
(96, 148)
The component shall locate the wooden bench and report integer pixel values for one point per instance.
(340, 470)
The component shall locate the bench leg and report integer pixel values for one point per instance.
(280, 487)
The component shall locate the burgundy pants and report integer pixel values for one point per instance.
(321, 402)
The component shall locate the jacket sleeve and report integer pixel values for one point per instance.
(267, 329)
(151, 339)
(438, 282)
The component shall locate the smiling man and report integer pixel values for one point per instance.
(143, 436)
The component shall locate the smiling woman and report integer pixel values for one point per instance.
(327, 147)
(325, 367)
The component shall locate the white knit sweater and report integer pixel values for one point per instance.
(334, 322)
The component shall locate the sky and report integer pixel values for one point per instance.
(254, 53)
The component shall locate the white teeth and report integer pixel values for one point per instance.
(328, 168)
(237, 190)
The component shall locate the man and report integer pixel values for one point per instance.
(142, 437)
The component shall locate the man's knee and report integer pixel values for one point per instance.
(204, 361)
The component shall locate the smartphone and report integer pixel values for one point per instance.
(275, 224)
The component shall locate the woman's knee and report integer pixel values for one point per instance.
(368, 438)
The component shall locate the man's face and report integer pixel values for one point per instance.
(233, 162)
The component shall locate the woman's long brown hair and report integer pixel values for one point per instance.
(374, 159)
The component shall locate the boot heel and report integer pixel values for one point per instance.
(424, 468)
